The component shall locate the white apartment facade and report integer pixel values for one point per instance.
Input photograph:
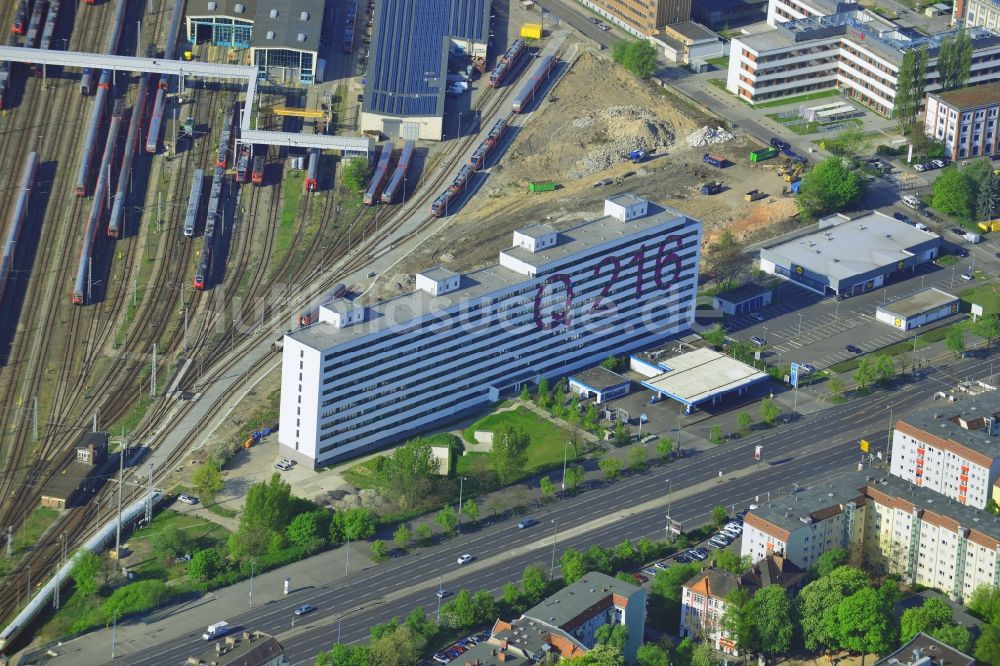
(853, 50)
(965, 120)
(365, 376)
(985, 13)
(951, 449)
(929, 539)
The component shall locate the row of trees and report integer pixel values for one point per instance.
(954, 64)
(971, 193)
(830, 186)
(637, 56)
(985, 602)
(555, 401)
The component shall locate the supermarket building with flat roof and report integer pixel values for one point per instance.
(557, 301)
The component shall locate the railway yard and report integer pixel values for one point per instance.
(127, 294)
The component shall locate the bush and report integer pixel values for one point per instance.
(134, 598)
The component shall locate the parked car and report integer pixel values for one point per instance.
(919, 167)
(663, 566)
(901, 217)
(527, 522)
(966, 276)
(639, 579)
(441, 658)
(940, 164)
(442, 593)
(282, 467)
(780, 144)
(465, 559)
(604, 27)
(594, 20)
(697, 555)
(740, 515)
(852, 349)
(304, 608)
(961, 252)
(649, 571)
(733, 527)
(684, 558)
(957, 231)
(757, 316)
(807, 368)
(187, 499)
(757, 340)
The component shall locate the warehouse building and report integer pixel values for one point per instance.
(743, 299)
(851, 256)
(965, 120)
(896, 527)
(370, 375)
(407, 76)
(917, 310)
(283, 37)
(824, 45)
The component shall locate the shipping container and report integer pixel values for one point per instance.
(531, 31)
(542, 186)
(715, 160)
(762, 154)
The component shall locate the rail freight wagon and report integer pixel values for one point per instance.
(398, 180)
(90, 143)
(35, 25)
(478, 158)
(258, 170)
(47, 32)
(243, 164)
(194, 203)
(156, 123)
(538, 77)
(115, 224)
(507, 63)
(350, 25)
(17, 218)
(213, 226)
(312, 171)
(374, 190)
(224, 138)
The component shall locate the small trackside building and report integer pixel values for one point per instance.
(921, 308)
(697, 377)
(965, 120)
(599, 383)
(407, 77)
(368, 375)
(850, 256)
(743, 299)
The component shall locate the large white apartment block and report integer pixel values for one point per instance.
(985, 13)
(965, 120)
(365, 376)
(887, 523)
(951, 448)
(819, 46)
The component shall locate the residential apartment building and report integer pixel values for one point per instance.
(951, 448)
(965, 120)
(566, 623)
(558, 301)
(972, 13)
(887, 523)
(703, 598)
(642, 18)
(851, 50)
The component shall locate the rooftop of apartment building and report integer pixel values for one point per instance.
(772, 570)
(926, 651)
(586, 597)
(248, 649)
(972, 422)
(826, 499)
(972, 97)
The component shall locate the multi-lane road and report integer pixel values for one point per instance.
(808, 451)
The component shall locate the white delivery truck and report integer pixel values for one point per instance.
(217, 630)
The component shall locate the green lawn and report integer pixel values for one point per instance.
(798, 126)
(362, 474)
(203, 533)
(987, 295)
(547, 440)
(722, 61)
(820, 94)
(25, 538)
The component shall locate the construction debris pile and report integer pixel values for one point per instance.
(617, 131)
(706, 136)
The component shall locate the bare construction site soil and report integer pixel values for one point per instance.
(580, 134)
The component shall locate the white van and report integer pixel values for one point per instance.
(913, 202)
(217, 630)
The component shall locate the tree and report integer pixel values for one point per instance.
(208, 478)
(988, 645)
(931, 615)
(771, 614)
(863, 622)
(612, 363)
(613, 635)
(769, 411)
(398, 647)
(469, 610)
(665, 595)
(651, 654)
(715, 435)
(992, 506)
(985, 602)
(829, 187)
(590, 416)
(306, 530)
(598, 559)
(533, 585)
(559, 401)
(401, 537)
(471, 510)
(424, 533)
(637, 459)
(910, 86)
(622, 435)
(731, 562)
(954, 60)
(726, 259)
(704, 655)
(953, 194)
(625, 555)
(743, 423)
(84, 573)
(818, 602)
(849, 143)
(510, 452)
(406, 477)
(574, 475)
(344, 655)
(612, 468)
(836, 387)
(637, 56)
(573, 565)
(830, 560)
(954, 635)
(170, 542)
(954, 340)
(548, 488)
(719, 516)
(206, 564)
(987, 328)
(512, 597)
(355, 174)
(135, 597)
(737, 621)
(665, 449)
(544, 398)
(987, 196)
(716, 335)
(447, 519)
(266, 513)
(864, 374)
(359, 523)
(379, 550)
(884, 369)
(525, 395)
(647, 549)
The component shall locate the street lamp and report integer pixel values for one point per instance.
(800, 323)
(566, 452)
(461, 487)
(765, 335)
(440, 594)
(555, 535)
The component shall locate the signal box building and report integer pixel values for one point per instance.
(407, 77)
(851, 255)
(63, 491)
(369, 375)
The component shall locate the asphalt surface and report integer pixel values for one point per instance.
(808, 451)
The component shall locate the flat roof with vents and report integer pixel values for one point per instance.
(282, 24)
(241, 9)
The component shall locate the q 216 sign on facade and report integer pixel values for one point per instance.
(666, 272)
